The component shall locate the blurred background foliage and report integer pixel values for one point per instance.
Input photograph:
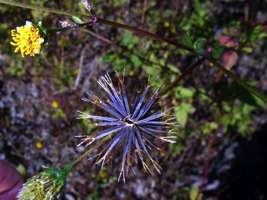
(205, 104)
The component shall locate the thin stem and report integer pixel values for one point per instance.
(69, 167)
(100, 21)
(81, 157)
(143, 33)
(139, 32)
(210, 153)
(188, 71)
(241, 82)
(126, 50)
(55, 30)
(40, 8)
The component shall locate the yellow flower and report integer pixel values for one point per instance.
(27, 39)
(54, 104)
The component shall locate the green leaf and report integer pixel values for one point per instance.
(186, 40)
(135, 60)
(260, 98)
(109, 58)
(184, 93)
(173, 68)
(208, 127)
(129, 39)
(199, 45)
(217, 52)
(77, 20)
(254, 35)
(237, 117)
(182, 111)
(247, 49)
(235, 91)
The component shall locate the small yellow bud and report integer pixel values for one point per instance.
(39, 145)
(54, 104)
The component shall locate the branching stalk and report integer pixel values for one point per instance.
(133, 29)
(140, 32)
(188, 71)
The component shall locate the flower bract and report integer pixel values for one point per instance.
(44, 186)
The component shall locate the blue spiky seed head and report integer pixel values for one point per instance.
(131, 127)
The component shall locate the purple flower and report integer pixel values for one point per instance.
(131, 128)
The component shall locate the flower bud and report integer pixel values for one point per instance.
(45, 185)
(87, 4)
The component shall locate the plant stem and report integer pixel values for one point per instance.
(39, 8)
(81, 157)
(100, 21)
(143, 33)
(183, 76)
(244, 84)
(69, 167)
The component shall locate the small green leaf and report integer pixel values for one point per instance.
(247, 49)
(129, 39)
(217, 52)
(237, 91)
(209, 127)
(77, 20)
(187, 40)
(259, 97)
(199, 45)
(254, 35)
(182, 111)
(237, 117)
(135, 60)
(109, 58)
(184, 93)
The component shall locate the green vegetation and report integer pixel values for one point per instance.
(205, 99)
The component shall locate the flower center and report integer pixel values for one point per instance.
(129, 122)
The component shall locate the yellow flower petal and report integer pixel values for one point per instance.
(27, 40)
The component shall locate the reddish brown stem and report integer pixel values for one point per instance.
(188, 71)
(144, 33)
